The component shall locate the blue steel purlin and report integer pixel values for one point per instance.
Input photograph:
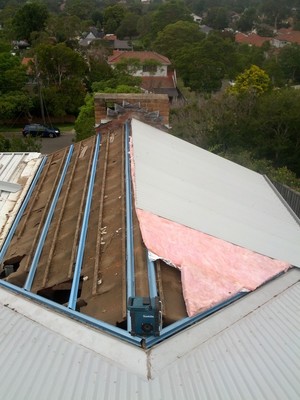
(129, 227)
(41, 242)
(151, 277)
(21, 210)
(79, 258)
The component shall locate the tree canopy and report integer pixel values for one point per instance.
(31, 17)
(253, 79)
(175, 37)
(56, 63)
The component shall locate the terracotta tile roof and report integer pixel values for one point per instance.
(28, 62)
(251, 38)
(155, 82)
(140, 55)
(284, 35)
(288, 35)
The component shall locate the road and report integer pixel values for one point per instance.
(51, 145)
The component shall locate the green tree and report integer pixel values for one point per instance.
(85, 122)
(97, 18)
(112, 17)
(64, 27)
(63, 100)
(16, 144)
(13, 104)
(13, 100)
(128, 26)
(274, 10)
(247, 19)
(58, 63)
(168, 13)
(289, 62)
(217, 18)
(175, 37)
(5, 46)
(119, 78)
(12, 73)
(199, 72)
(249, 55)
(253, 80)
(276, 128)
(203, 65)
(61, 72)
(275, 72)
(31, 17)
(82, 9)
(99, 70)
(144, 28)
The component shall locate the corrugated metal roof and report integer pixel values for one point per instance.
(256, 356)
(211, 194)
(17, 168)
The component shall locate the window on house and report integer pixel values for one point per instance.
(150, 68)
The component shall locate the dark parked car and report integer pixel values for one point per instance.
(35, 130)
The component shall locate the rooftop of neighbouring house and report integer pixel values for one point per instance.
(140, 55)
(137, 212)
(283, 35)
(288, 35)
(251, 38)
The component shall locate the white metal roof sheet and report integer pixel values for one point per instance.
(18, 169)
(256, 356)
(188, 185)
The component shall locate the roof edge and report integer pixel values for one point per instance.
(119, 352)
(191, 338)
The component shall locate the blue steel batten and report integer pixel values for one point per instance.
(186, 322)
(103, 326)
(41, 242)
(151, 278)
(129, 227)
(79, 258)
(21, 211)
